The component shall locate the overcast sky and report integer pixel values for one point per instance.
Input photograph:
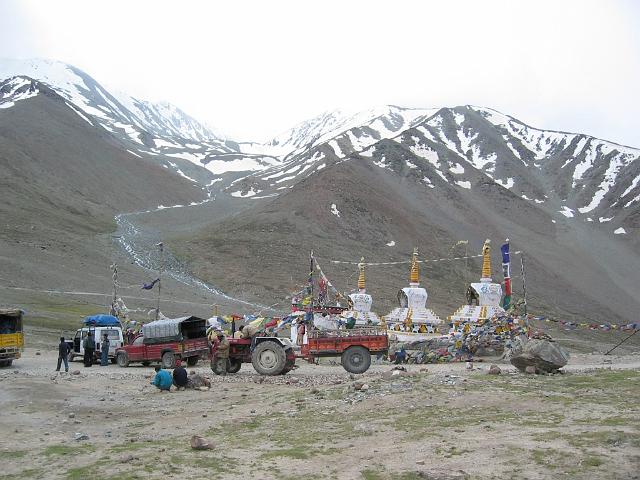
(255, 68)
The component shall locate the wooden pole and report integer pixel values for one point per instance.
(524, 283)
(161, 247)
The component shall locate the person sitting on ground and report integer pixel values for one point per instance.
(162, 380)
(401, 356)
(179, 376)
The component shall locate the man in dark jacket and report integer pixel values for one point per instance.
(179, 376)
(63, 354)
(104, 351)
(89, 346)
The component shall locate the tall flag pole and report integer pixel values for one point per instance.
(161, 247)
(524, 283)
(506, 272)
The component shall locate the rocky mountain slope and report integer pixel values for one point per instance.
(345, 184)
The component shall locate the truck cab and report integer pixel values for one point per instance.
(11, 336)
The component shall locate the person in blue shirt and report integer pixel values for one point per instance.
(162, 380)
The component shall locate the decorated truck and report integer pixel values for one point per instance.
(11, 336)
(167, 340)
(277, 356)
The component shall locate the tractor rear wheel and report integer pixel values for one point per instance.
(269, 358)
(356, 359)
(122, 359)
(168, 360)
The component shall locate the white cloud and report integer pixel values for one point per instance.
(255, 68)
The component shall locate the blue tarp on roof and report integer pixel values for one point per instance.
(102, 321)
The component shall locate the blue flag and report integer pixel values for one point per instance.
(149, 286)
(505, 253)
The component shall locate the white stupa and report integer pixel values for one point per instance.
(483, 297)
(360, 303)
(412, 320)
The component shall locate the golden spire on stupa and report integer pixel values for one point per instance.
(361, 279)
(486, 260)
(414, 277)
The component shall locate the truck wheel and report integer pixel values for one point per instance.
(356, 359)
(122, 359)
(168, 360)
(233, 365)
(191, 361)
(5, 363)
(269, 358)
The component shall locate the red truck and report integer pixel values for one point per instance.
(167, 340)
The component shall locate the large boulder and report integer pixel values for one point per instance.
(544, 355)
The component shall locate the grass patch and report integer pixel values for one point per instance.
(28, 473)
(593, 461)
(12, 454)
(61, 449)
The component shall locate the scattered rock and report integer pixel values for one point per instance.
(204, 415)
(358, 385)
(72, 415)
(420, 462)
(78, 437)
(75, 372)
(199, 443)
(203, 389)
(544, 355)
(364, 387)
(530, 370)
(37, 353)
(495, 370)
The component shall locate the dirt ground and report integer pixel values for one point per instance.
(434, 421)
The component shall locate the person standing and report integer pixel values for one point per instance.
(222, 353)
(302, 329)
(179, 376)
(89, 346)
(104, 351)
(63, 354)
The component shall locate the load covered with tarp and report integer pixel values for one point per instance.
(102, 321)
(174, 329)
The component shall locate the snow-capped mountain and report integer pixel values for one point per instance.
(572, 176)
(372, 125)
(111, 110)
